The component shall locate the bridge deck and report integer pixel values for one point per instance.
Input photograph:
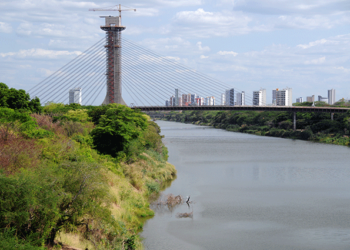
(247, 108)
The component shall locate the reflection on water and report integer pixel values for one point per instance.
(253, 192)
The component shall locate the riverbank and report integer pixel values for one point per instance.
(77, 176)
(316, 127)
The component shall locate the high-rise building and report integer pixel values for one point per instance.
(299, 100)
(274, 97)
(230, 97)
(172, 101)
(176, 97)
(240, 98)
(193, 98)
(223, 99)
(210, 101)
(310, 98)
(75, 96)
(322, 99)
(259, 97)
(166, 103)
(184, 99)
(180, 102)
(331, 96)
(284, 97)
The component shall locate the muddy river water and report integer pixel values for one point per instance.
(253, 192)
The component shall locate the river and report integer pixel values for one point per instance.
(253, 192)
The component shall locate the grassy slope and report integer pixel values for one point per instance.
(129, 184)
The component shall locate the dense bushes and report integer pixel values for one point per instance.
(57, 177)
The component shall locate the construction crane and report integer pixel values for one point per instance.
(113, 8)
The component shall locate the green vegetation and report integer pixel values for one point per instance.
(310, 126)
(74, 175)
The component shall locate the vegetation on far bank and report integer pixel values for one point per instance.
(76, 175)
(310, 126)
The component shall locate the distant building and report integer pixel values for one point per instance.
(322, 99)
(230, 97)
(172, 101)
(176, 97)
(75, 96)
(284, 97)
(193, 98)
(184, 99)
(259, 97)
(180, 102)
(331, 96)
(240, 98)
(166, 103)
(310, 98)
(274, 97)
(299, 100)
(223, 99)
(210, 101)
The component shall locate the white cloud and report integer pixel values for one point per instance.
(203, 57)
(342, 69)
(312, 44)
(316, 61)
(39, 53)
(201, 48)
(224, 53)
(5, 27)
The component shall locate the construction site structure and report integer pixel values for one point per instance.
(113, 27)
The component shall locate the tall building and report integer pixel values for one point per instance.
(240, 98)
(223, 99)
(210, 101)
(310, 98)
(284, 97)
(331, 96)
(299, 100)
(274, 97)
(166, 103)
(193, 98)
(172, 101)
(230, 97)
(75, 96)
(184, 99)
(176, 97)
(180, 102)
(322, 99)
(259, 97)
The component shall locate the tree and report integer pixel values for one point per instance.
(117, 129)
(18, 99)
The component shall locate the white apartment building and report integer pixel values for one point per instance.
(259, 97)
(274, 97)
(322, 99)
(299, 100)
(210, 101)
(223, 99)
(240, 98)
(331, 96)
(284, 97)
(75, 96)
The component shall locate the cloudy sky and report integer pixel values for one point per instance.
(247, 44)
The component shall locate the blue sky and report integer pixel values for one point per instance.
(248, 44)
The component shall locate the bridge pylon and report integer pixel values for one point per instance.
(113, 27)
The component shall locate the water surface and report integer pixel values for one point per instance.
(253, 192)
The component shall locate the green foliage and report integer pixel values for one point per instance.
(10, 242)
(18, 99)
(118, 129)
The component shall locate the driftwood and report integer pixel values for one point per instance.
(184, 215)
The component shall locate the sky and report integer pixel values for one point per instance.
(247, 44)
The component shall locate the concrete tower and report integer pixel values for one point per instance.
(113, 46)
(113, 27)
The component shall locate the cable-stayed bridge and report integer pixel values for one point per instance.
(115, 69)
